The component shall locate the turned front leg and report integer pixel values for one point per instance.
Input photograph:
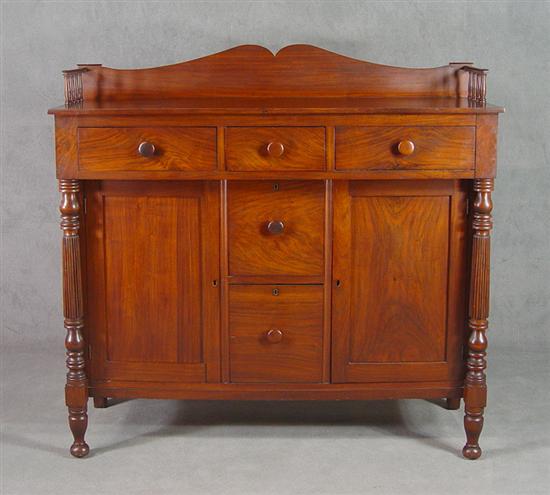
(475, 387)
(76, 388)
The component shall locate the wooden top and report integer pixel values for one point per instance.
(277, 106)
(251, 79)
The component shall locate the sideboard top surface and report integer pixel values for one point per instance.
(278, 106)
(299, 79)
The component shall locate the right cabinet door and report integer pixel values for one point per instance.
(399, 257)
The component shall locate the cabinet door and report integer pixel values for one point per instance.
(153, 267)
(398, 281)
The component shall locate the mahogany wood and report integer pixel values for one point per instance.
(298, 250)
(250, 226)
(153, 256)
(176, 148)
(276, 333)
(253, 70)
(275, 148)
(475, 390)
(405, 148)
(76, 388)
(398, 286)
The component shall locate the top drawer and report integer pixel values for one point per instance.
(146, 148)
(419, 148)
(275, 148)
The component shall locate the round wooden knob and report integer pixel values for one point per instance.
(274, 336)
(275, 149)
(275, 227)
(405, 147)
(146, 149)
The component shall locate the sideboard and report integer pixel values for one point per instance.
(276, 227)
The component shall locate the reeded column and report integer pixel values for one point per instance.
(475, 387)
(76, 388)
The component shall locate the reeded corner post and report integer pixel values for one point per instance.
(475, 387)
(76, 388)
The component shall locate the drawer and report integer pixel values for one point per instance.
(275, 148)
(276, 227)
(276, 333)
(146, 148)
(420, 148)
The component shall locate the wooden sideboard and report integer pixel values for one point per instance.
(276, 227)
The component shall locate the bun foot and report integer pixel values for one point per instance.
(80, 449)
(471, 452)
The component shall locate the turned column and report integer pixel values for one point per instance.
(76, 388)
(475, 387)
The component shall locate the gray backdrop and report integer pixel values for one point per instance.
(39, 39)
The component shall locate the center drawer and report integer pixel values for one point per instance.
(276, 333)
(276, 228)
(275, 148)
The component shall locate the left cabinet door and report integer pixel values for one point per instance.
(152, 257)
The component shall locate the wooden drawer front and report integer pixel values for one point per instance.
(378, 148)
(297, 249)
(276, 333)
(175, 148)
(275, 148)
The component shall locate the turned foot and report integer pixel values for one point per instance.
(452, 404)
(80, 449)
(471, 452)
(473, 424)
(78, 422)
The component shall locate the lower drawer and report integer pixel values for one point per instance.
(276, 333)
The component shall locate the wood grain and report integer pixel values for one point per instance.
(298, 250)
(392, 269)
(279, 391)
(153, 256)
(475, 390)
(253, 70)
(76, 388)
(296, 312)
(246, 148)
(177, 148)
(376, 148)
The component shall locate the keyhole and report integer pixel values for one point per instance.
(338, 283)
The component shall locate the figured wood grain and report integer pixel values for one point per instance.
(148, 279)
(486, 146)
(475, 386)
(398, 254)
(303, 148)
(376, 148)
(153, 254)
(176, 148)
(298, 250)
(294, 311)
(76, 388)
(253, 70)
(364, 284)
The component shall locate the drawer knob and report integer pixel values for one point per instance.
(274, 336)
(146, 149)
(275, 227)
(275, 149)
(405, 147)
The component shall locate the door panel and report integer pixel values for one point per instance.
(398, 290)
(153, 251)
